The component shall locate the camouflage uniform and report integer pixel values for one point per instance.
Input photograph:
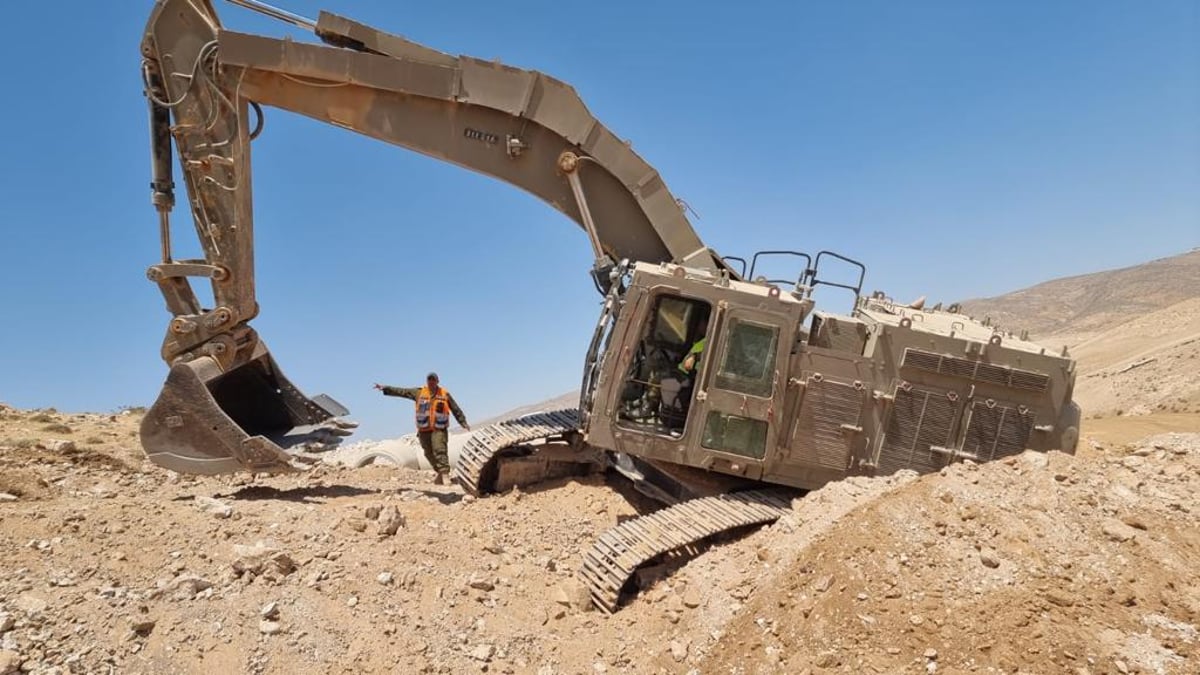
(434, 443)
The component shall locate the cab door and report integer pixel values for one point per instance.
(742, 384)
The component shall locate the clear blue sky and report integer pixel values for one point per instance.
(960, 149)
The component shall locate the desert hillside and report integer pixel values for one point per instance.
(1072, 309)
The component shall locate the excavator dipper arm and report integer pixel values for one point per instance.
(226, 405)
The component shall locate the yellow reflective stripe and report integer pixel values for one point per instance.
(424, 397)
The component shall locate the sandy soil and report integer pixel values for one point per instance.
(1059, 564)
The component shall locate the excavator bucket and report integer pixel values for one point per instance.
(208, 420)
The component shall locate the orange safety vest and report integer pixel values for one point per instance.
(433, 410)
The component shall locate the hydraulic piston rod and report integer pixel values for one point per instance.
(569, 163)
(276, 13)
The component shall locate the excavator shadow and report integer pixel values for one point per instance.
(315, 494)
(640, 502)
(610, 479)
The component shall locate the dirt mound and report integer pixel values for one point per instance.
(1039, 563)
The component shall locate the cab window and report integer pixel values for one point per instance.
(658, 391)
(747, 363)
(735, 434)
(672, 319)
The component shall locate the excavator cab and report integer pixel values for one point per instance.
(721, 416)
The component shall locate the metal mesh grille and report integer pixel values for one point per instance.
(957, 367)
(915, 358)
(819, 437)
(975, 370)
(1024, 379)
(986, 372)
(997, 431)
(920, 418)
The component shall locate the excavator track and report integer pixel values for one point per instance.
(619, 552)
(476, 465)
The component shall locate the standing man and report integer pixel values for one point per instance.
(434, 405)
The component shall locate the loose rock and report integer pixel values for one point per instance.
(826, 659)
(483, 653)
(480, 583)
(1118, 531)
(10, 662)
(215, 507)
(390, 521)
(573, 594)
(182, 588)
(142, 626)
(31, 604)
(261, 557)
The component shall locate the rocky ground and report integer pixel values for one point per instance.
(1036, 564)
(1040, 564)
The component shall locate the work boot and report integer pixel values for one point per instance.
(441, 478)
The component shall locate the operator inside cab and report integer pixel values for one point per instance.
(677, 390)
(691, 362)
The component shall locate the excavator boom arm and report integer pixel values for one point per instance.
(206, 86)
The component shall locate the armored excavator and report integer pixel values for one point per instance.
(718, 391)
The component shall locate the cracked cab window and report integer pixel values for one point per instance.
(748, 358)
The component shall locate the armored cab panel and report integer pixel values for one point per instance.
(840, 333)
